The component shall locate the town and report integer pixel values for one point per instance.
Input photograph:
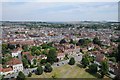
(60, 50)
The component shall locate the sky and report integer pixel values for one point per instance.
(59, 11)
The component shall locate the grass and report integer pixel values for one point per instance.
(66, 71)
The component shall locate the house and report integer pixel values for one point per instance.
(90, 46)
(84, 50)
(16, 52)
(43, 57)
(5, 71)
(30, 58)
(112, 67)
(60, 56)
(1, 73)
(25, 53)
(16, 64)
(99, 58)
(97, 47)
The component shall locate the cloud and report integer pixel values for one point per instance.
(64, 11)
(59, 0)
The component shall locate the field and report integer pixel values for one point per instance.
(66, 71)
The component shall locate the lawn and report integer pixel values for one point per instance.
(66, 71)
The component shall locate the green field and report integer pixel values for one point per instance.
(66, 71)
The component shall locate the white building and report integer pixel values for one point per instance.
(16, 52)
(16, 64)
(61, 56)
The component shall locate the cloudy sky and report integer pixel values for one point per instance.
(60, 11)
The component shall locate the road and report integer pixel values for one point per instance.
(78, 58)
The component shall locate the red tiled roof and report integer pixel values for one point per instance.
(25, 53)
(5, 69)
(0, 69)
(14, 61)
(30, 57)
(100, 57)
(29, 42)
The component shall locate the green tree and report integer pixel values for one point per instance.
(34, 61)
(25, 48)
(66, 57)
(17, 45)
(104, 68)
(93, 68)
(81, 42)
(71, 61)
(96, 41)
(63, 41)
(21, 76)
(50, 44)
(85, 61)
(30, 74)
(118, 53)
(48, 68)
(44, 46)
(44, 52)
(25, 62)
(52, 56)
(39, 70)
(4, 46)
(10, 46)
(33, 48)
(71, 41)
(43, 61)
(37, 52)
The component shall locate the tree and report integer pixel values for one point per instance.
(30, 74)
(25, 48)
(34, 61)
(118, 53)
(91, 59)
(10, 46)
(39, 70)
(85, 61)
(50, 44)
(21, 76)
(96, 41)
(71, 61)
(33, 48)
(93, 68)
(48, 68)
(52, 56)
(71, 41)
(81, 42)
(66, 57)
(17, 45)
(63, 41)
(4, 46)
(37, 52)
(104, 68)
(44, 46)
(43, 61)
(25, 62)
(44, 52)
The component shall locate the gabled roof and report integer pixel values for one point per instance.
(25, 53)
(6, 69)
(14, 61)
